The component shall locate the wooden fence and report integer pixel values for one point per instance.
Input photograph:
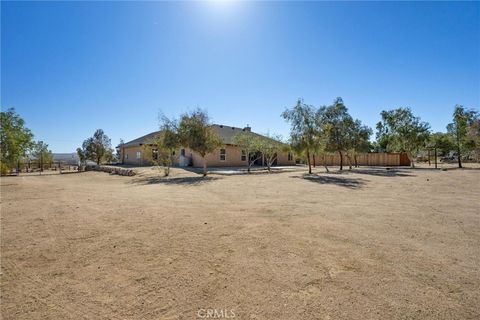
(365, 159)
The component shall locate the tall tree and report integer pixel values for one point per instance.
(336, 124)
(82, 157)
(358, 140)
(160, 150)
(195, 132)
(97, 148)
(250, 144)
(402, 132)
(41, 153)
(473, 135)
(462, 119)
(443, 142)
(118, 152)
(15, 140)
(303, 129)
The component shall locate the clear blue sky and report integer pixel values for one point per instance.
(70, 68)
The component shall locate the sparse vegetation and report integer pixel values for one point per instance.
(97, 148)
(15, 140)
(196, 133)
(160, 149)
(118, 153)
(249, 143)
(41, 154)
(339, 128)
(401, 131)
(358, 140)
(463, 120)
(326, 129)
(270, 146)
(442, 141)
(304, 131)
(473, 134)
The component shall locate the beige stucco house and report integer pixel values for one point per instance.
(229, 155)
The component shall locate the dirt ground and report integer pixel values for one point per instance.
(367, 244)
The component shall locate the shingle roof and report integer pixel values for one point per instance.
(226, 133)
(141, 140)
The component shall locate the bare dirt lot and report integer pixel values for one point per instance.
(367, 244)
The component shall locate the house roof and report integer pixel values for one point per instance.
(226, 133)
(139, 141)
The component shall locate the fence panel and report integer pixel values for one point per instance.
(365, 159)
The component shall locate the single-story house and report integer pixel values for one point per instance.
(229, 155)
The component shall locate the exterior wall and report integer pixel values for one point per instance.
(233, 158)
(131, 152)
(282, 159)
(129, 156)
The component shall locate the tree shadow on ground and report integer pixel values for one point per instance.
(228, 171)
(339, 181)
(186, 181)
(381, 172)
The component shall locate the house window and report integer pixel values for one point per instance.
(290, 156)
(244, 155)
(139, 154)
(182, 152)
(154, 154)
(126, 156)
(223, 155)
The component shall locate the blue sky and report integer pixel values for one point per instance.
(70, 68)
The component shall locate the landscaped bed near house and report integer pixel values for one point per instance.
(370, 243)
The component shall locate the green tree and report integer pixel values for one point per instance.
(15, 140)
(81, 156)
(401, 131)
(118, 151)
(443, 142)
(303, 129)
(42, 154)
(473, 135)
(195, 132)
(358, 140)
(382, 142)
(318, 149)
(462, 119)
(160, 150)
(336, 125)
(97, 148)
(250, 144)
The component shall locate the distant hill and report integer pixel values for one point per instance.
(70, 158)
